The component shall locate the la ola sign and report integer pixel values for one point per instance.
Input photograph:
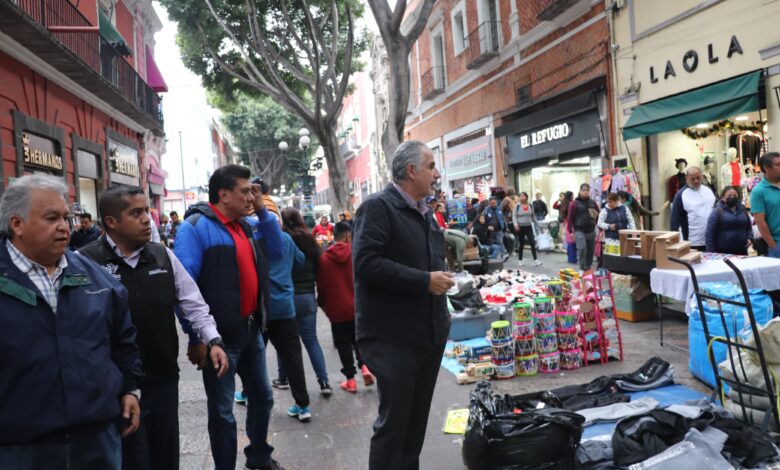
(690, 60)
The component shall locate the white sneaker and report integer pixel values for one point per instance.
(520, 263)
(537, 262)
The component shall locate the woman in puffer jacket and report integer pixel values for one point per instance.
(729, 227)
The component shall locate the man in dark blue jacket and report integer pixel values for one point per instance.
(402, 317)
(227, 254)
(69, 362)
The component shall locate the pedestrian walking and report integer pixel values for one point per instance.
(304, 282)
(401, 307)
(524, 220)
(156, 282)
(85, 234)
(581, 221)
(568, 236)
(765, 203)
(69, 358)
(540, 207)
(729, 227)
(225, 252)
(336, 296)
(173, 227)
(691, 209)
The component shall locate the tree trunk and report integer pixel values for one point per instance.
(337, 169)
(398, 99)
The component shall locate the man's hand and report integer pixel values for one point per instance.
(440, 282)
(196, 353)
(257, 203)
(131, 413)
(219, 360)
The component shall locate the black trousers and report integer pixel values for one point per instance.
(286, 339)
(406, 378)
(344, 339)
(156, 443)
(526, 232)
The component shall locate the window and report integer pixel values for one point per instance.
(459, 32)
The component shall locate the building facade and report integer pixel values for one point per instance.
(80, 96)
(513, 94)
(699, 81)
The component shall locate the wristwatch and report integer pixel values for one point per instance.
(216, 342)
(136, 393)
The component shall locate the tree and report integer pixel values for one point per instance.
(398, 45)
(301, 57)
(258, 124)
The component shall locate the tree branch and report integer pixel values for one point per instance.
(419, 25)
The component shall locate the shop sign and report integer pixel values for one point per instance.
(472, 158)
(549, 134)
(690, 60)
(189, 196)
(123, 163)
(40, 152)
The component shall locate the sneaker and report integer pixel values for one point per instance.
(281, 384)
(325, 389)
(301, 412)
(272, 465)
(520, 263)
(349, 385)
(240, 398)
(537, 262)
(368, 377)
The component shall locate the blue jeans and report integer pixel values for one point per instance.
(774, 252)
(247, 357)
(306, 316)
(102, 449)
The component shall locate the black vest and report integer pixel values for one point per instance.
(583, 221)
(151, 288)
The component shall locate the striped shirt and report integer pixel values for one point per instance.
(49, 286)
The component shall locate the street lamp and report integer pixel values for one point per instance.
(304, 140)
(283, 146)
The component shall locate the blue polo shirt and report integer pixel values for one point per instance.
(765, 198)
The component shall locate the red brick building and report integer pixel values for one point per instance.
(79, 96)
(514, 93)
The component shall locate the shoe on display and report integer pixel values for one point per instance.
(281, 384)
(301, 412)
(349, 385)
(325, 389)
(239, 398)
(368, 377)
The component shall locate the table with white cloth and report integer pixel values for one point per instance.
(760, 272)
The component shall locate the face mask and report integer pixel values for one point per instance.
(732, 202)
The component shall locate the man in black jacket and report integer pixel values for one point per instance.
(156, 282)
(402, 318)
(85, 234)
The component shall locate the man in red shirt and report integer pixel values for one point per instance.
(324, 229)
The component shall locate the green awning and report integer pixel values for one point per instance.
(110, 34)
(710, 103)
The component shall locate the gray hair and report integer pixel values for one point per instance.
(16, 199)
(408, 153)
(692, 169)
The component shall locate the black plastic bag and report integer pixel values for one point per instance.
(468, 297)
(499, 438)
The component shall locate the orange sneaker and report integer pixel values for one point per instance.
(368, 377)
(349, 385)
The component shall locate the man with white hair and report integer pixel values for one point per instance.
(70, 361)
(401, 307)
(691, 208)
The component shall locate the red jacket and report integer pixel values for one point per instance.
(440, 220)
(335, 284)
(319, 229)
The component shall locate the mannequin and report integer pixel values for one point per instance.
(709, 179)
(676, 181)
(732, 171)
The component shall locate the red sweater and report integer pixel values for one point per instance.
(335, 285)
(319, 229)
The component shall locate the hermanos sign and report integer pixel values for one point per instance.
(548, 134)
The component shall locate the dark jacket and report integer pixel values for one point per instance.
(80, 238)
(65, 371)
(617, 216)
(579, 217)
(206, 249)
(336, 283)
(540, 209)
(151, 287)
(679, 219)
(728, 230)
(394, 251)
(484, 235)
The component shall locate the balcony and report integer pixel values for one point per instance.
(482, 44)
(550, 9)
(59, 34)
(432, 82)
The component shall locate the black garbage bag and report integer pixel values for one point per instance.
(499, 438)
(468, 297)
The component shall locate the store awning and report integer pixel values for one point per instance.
(710, 103)
(153, 76)
(110, 34)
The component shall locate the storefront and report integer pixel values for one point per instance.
(89, 171)
(708, 100)
(39, 147)
(557, 147)
(123, 164)
(468, 161)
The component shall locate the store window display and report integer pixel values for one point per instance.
(709, 179)
(677, 181)
(732, 171)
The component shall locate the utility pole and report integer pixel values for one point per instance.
(183, 186)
